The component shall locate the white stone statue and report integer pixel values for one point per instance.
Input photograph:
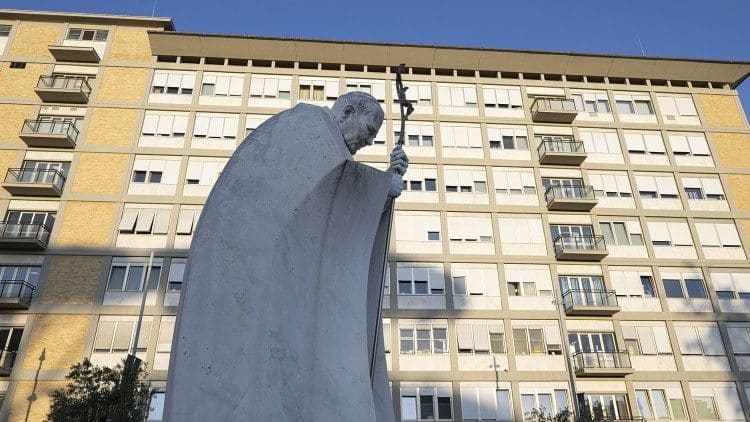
(279, 312)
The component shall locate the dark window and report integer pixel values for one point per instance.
(430, 185)
(673, 288)
(17, 65)
(695, 288)
(648, 286)
(139, 176)
(154, 177)
(426, 407)
(725, 294)
(433, 235)
(694, 193)
(444, 407)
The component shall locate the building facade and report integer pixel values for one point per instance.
(572, 231)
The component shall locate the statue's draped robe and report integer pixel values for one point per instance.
(279, 310)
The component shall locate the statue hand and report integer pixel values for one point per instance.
(399, 161)
(397, 185)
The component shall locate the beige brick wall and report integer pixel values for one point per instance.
(99, 173)
(86, 225)
(13, 116)
(62, 339)
(32, 39)
(112, 126)
(745, 226)
(732, 149)
(738, 185)
(122, 84)
(8, 158)
(20, 83)
(72, 279)
(720, 110)
(20, 411)
(130, 44)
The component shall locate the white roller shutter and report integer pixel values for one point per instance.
(527, 178)
(387, 336)
(634, 142)
(451, 177)
(741, 282)
(465, 336)
(685, 106)
(712, 186)
(188, 81)
(654, 143)
(711, 341)
(648, 346)
(104, 333)
(552, 334)
(613, 143)
(490, 282)
(645, 183)
(284, 84)
(688, 341)
(201, 126)
(475, 137)
(166, 331)
(129, 216)
(165, 125)
(457, 96)
(662, 340)
(481, 338)
(515, 97)
(425, 92)
(728, 234)
(691, 182)
(600, 142)
(215, 127)
(667, 106)
(150, 122)
(160, 79)
(256, 86)
(679, 143)
(722, 281)
(489, 96)
(230, 127)
(469, 404)
(123, 335)
(462, 136)
(634, 227)
(222, 85)
(666, 185)
(740, 339)
(235, 86)
(161, 221)
(514, 180)
(680, 234)
(332, 89)
(707, 234)
(437, 278)
(145, 219)
(698, 145)
(185, 222)
(500, 179)
(378, 91)
(180, 125)
(658, 231)
(470, 95)
(543, 279)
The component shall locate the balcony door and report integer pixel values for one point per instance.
(12, 275)
(598, 349)
(605, 407)
(10, 339)
(41, 171)
(574, 237)
(25, 224)
(582, 287)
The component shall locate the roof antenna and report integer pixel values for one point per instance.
(643, 52)
(153, 9)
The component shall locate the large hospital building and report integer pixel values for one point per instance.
(572, 233)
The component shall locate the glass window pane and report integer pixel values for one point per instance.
(519, 341)
(644, 407)
(673, 288)
(561, 400)
(153, 282)
(527, 403)
(660, 404)
(609, 237)
(621, 234)
(404, 287)
(409, 407)
(704, 406)
(459, 285)
(695, 288)
(444, 407)
(135, 275)
(678, 408)
(503, 404)
(117, 278)
(426, 407)
(545, 404)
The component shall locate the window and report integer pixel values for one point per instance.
(81, 34)
(166, 332)
(413, 226)
(583, 285)
(17, 65)
(739, 335)
(528, 280)
(203, 172)
(426, 403)
(611, 184)
(167, 125)
(147, 176)
(693, 144)
(188, 219)
(25, 224)
(252, 121)
(720, 235)
(464, 228)
(674, 106)
(646, 338)
(508, 138)
(457, 95)
(460, 136)
(536, 340)
(418, 94)
(521, 230)
(621, 233)
(5, 30)
(270, 87)
(593, 102)
(222, 84)
(465, 179)
(575, 236)
(116, 334)
(593, 342)
(215, 126)
(15, 273)
(633, 104)
(318, 89)
(418, 135)
(605, 406)
(173, 83)
(705, 407)
(731, 285)
(423, 339)
(129, 274)
(684, 285)
(502, 97)
(375, 88)
(485, 403)
(653, 403)
(601, 142)
(632, 282)
(480, 337)
(649, 143)
(699, 339)
(656, 185)
(10, 340)
(514, 181)
(475, 280)
(549, 402)
(156, 405)
(420, 179)
(144, 220)
(669, 233)
(717, 400)
(420, 279)
(42, 171)
(176, 274)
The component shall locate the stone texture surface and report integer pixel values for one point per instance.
(8, 159)
(130, 44)
(739, 187)
(745, 227)
(122, 84)
(72, 279)
(112, 127)
(24, 410)
(87, 224)
(20, 83)
(62, 338)
(13, 117)
(733, 149)
(32, 39)
(101, 173)
(273, 321)
(720, 110)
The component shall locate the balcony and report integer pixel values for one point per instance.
(561, 152)
(602, 364)
(553, 110)
(590, 302)
(570, 198)
(49, 133)
(27, 236)
(15, 294)
(34, 182)
(7, 358)
(67, 53)
(570, 247)
(63, 89)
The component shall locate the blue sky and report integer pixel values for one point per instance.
(717, 29)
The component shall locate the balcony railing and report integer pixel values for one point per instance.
(553, 110)
(62, 88)
(25, 178)
(583, 247)
(16, 294)
(33, 235)
(561, 151)
(7, 359)
(569, 192)
(45, 132)
(601, 360)
(589, 298)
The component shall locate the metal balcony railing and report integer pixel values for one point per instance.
(64, 82)
(17, 289)
(568, 192)
(50, 127)
(26, 231)
(553, 104)
(601, 360)
(7, 358)
(579, 297)
(560, 145)
(579, 242)
(36, 176)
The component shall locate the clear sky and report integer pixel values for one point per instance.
(716, 29)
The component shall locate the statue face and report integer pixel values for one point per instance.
(359, 129)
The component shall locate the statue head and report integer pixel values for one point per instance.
(359, 117)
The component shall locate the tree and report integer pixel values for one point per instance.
(541, 415)
(102, 394)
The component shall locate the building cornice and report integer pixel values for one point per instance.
(87, 18)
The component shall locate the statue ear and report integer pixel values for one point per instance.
(348, 111)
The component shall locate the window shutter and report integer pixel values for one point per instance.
(514, 96)
(160, 79)
(285, 84)
(654, 142)
(201, 126)
(150, 122)
(481, 338)
(740, 339)
(462, 136)
(588, 141)
(535, 229)
(685, 106)
(123, 335)
(332, 89)
(457, 96)
(610, 183)
(425, 92)
(378, 91)
(271, 87)
(256, 86)
(629, 332)
(691, 182)
(613, 143)
(474, 284)
(235, 85)
(658, 231)
(634, 142)
(387, 336)
(487, 408)
(527, 178)
(707, 234)
(728, 234)
(230, 127)
(447, 136)
(662, 340)
(667, 106)
(104, 333)
(646, 183)
(194, 170)
(180, 124)
(469, 404)
(500, 179)
(222, 85)
(427, 130)
(437, 279)
(688, 341)
(145, 219)
(666, 185)
(451, 177)
(161, 222)
(514, 180)
(166, 331)
(185, 222)
(722, 281)
(741, 282)
(552, 334)
(465, 336)
(129, 216)
(600, 142)
(633, 227)
(489, 96)
(165, 125)
(619, 283)
(648, 346)
(623, 184)
(215, 127)
(188, 81)
(711, 341)
(475, 137)
(143, 335)
(712, 186)
(679, 143)
(698, 145)
(490, 282)
(543, 279)
(680, 234)
(470, 95)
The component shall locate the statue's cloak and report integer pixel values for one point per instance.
(279, 310)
